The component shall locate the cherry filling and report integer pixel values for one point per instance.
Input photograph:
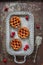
(23, 32)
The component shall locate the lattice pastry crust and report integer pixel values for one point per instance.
(15, 21)
(23, 32)
(16, 44)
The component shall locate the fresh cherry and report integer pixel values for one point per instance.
(37, 26)
(27, 18)
(6, 9)
(12, 34)
(4, 60)
(27, 46)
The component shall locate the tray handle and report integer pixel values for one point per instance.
(20, 61)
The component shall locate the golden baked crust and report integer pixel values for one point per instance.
(15, 21)
(16, 44)
(23, 32)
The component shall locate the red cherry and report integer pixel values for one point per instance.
(37, 26)
(4, 60)
(27, 17)
(12, 34)
(25, 49)
(27, 46)
(6, 9)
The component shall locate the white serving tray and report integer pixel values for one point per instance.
(30, 40)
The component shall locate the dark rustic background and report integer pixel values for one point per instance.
(37, 9)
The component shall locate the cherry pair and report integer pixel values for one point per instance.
(26, 47)
(12, 34)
